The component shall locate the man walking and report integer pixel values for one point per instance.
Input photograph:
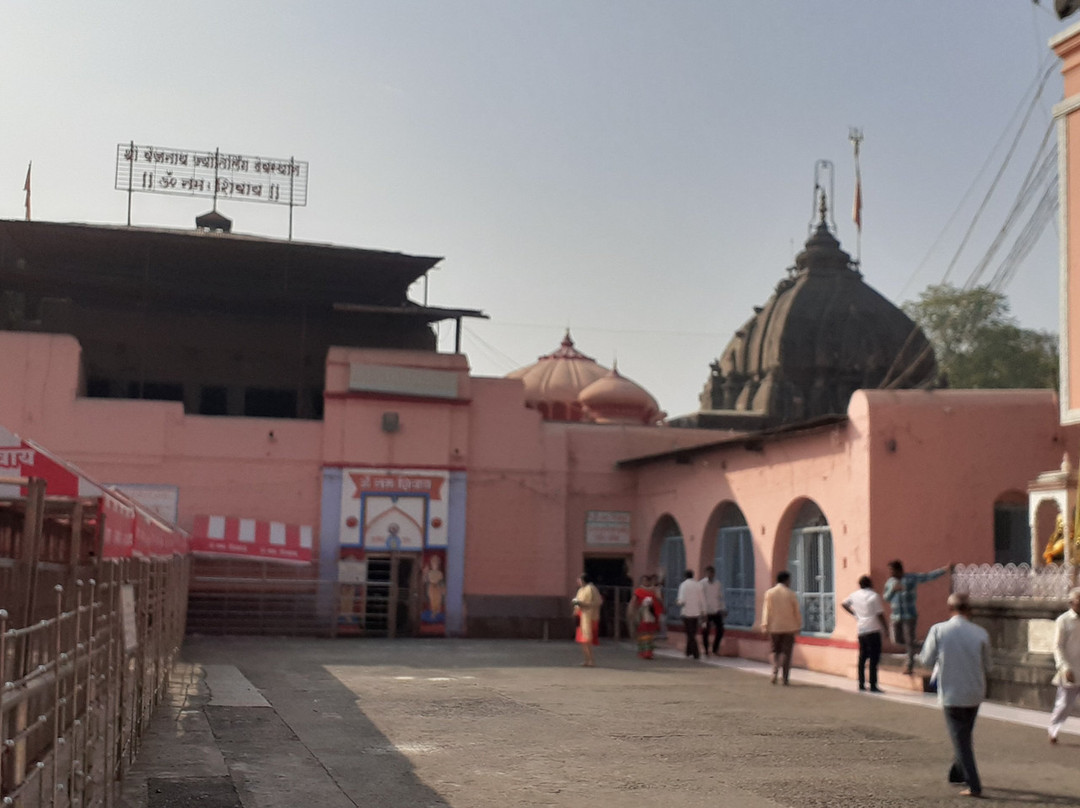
(868, 609)
(781, 620)
(961, 650)
(1067, 658)
(715, 610)
(691, 601)
(900, 593)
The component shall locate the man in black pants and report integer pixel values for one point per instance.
(715, 609)
(867, 607)
(962, 651)
(691, 601)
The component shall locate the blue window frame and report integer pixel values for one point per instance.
(673, 563)
(734, 563)
(810, 561)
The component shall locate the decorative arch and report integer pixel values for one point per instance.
(1045, 514)
(667, 537)
(728, 546)
(1012, 531)
(810, 562)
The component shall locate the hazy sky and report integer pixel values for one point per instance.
(641, 172)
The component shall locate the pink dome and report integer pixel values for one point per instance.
(615, 399)
(553, 382)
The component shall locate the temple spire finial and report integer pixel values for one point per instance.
(823, 173)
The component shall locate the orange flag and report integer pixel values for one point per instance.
(26, 187)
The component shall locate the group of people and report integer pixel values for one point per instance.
(956, 650)
(701, 604)
(781, 619)
(868, 609)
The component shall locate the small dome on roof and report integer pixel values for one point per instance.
(553, 382)
(615, 399)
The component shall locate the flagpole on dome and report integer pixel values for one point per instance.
(856, 138)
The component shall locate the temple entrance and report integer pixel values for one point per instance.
(609, 575)
(393, 595)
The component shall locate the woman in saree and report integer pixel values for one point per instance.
(587, 603)
(649, 609)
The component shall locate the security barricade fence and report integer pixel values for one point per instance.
(86, 646)
(244, 596)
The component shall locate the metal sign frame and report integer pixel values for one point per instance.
(211, 174)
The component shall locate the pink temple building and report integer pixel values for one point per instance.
(437, 502)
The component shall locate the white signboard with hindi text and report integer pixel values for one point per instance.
(607, 528)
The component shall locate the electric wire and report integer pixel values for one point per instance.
(1044, 213)
(498, 357)
(999, 174)
(897, 372)
(1043, 166)
(1036, 83)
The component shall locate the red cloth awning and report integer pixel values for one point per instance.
(253, 538)
(129, 528)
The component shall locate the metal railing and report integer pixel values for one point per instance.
(241, 605)
(80, 682)
(1013, 580)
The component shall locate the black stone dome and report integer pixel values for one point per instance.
(822, 335)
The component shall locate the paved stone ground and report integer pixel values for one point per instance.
(471, 724)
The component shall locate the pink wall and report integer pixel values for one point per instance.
(222, 465)
(1067, 47)
(929, 502)
(910, 474)
(530, 484)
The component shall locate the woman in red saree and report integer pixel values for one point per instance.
(649, 611)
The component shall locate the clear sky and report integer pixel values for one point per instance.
(641, 172)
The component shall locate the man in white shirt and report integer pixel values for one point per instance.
(1067, 659)
(715, 610)
(868, 609)
(961, 650)
(691, 601)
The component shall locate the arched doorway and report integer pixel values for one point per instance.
(1012, 533)
(810, 561)
(672, 564)
(733, 558)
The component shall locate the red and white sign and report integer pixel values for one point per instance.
(24, 458)
(129, 529)
(233, 536)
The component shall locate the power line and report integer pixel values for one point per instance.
(1042, 169)
(1000, 173)
(1035, 86)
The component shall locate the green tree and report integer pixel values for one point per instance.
(979, 344)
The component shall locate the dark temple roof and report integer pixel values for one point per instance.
(109, 263)
(822, 335)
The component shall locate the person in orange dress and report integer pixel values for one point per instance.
(587, 604)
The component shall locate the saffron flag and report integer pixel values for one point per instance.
(26, 187)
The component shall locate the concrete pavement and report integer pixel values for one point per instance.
(268, 722)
